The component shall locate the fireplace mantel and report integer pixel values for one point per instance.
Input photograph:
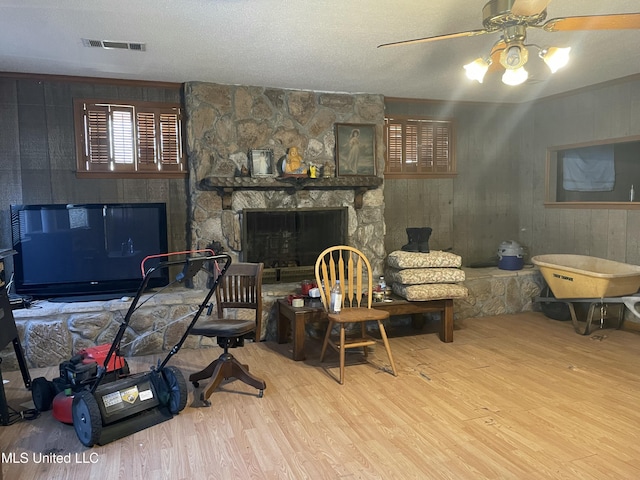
(225, 186)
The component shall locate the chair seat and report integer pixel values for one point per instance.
(358, 314)
(223, 327)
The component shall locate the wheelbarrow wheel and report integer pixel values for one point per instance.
(87, 421)
(554, 310)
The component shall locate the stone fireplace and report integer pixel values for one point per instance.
(224, 122)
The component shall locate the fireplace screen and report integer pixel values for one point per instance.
(288, 242)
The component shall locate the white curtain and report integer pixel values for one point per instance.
(589, 169)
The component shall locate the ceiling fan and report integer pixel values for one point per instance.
(512, 18)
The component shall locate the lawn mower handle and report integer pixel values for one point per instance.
(192, 266)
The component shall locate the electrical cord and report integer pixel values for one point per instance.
(28, 414)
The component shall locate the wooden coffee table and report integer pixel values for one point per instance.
(313, 311)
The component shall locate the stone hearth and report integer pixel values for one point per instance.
(50, 332)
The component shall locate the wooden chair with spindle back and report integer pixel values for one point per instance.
(352, 268)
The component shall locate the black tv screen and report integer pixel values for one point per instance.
(89, 251)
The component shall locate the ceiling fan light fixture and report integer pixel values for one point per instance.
(555, 57)
(515, 76)
(514, 56)
(477, 69)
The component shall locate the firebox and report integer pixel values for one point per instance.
(288, 241)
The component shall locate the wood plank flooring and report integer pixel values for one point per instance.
(513, 397)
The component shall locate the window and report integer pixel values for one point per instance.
(595, 174)
(128, 140)
(419, 147)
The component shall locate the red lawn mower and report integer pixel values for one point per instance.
(95, 390)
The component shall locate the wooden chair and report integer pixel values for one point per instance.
(352, 268)
(240, 288)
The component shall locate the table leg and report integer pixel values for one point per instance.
(284, 326)
(298, 337)
(446, 322)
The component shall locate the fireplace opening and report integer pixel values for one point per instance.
(288, 241)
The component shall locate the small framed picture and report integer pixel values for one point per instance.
(261, 163)
(355, 149)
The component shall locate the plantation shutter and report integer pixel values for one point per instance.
(442, 156)
(96, 155)
(145, 137)
(171, 151)
(394, 147)
(419, 147)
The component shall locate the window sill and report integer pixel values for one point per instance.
(412, 176)
(595, 205)
(138, 175)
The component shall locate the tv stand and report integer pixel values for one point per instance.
(92, 297)
(9, 334)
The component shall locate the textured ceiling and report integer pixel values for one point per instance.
(323, 45)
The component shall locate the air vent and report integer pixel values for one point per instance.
(112, 45)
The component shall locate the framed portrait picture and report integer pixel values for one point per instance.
(355, 149)
(261, 163)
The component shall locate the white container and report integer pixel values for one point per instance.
(510, 249)
(510, 256)
(336, 298)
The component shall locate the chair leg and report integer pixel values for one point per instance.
(241, 372)
(342, 352)
(224, 367)
(326, 340)
(206, 372)
(258, 331)
(219, 375)
(229, 367)
(383, 334)
(363, 334)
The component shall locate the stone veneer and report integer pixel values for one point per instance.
(52, 332)
(497, 292)
(225, 121)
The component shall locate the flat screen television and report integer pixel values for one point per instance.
(75, 252)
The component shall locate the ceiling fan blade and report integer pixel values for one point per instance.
(470, 33)
(618, 21)
(496, 50)
(528, 8)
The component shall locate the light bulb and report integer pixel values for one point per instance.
(477, 69)
(514, 56)
(515, 76)
(555, 57)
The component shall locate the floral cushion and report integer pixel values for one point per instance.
(413, 276)
(434, 291)
(401, 259)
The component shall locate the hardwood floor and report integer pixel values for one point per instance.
(513, 397)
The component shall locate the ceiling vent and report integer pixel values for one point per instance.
(111, 45)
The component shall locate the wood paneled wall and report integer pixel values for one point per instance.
(497, 195)
(499, 191)
(37, 150)
(475, 211)
(601, 112)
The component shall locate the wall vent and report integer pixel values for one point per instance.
(113, 45)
